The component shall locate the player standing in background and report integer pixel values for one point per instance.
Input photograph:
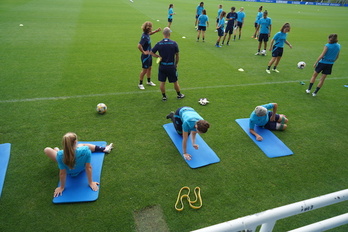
(277, 50)
(218, 14)
(220, 28)
(144, 47)
(258, 16)
(325, 62)
(231, 24)
(241, 16)
(170, 14)
(265, 26)
(199, 11)
(203, 22)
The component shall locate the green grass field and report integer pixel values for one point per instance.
(69, 55)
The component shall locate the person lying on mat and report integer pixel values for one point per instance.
(73, 159)
(187, 121)
(267, 119)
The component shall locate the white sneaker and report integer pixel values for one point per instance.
(141, 86)
(275, 70)
(151, 83)
(314, 94)
(108, 148)
(308, 91)
(257, 53)
(267, 71)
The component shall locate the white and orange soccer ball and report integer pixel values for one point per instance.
(102, 108)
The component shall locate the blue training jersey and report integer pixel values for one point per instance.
(241, 16)
(82, 156)
(265, 24)
(259, 120)
(219, 12)
(221, 23)
(145, 42)
(331, 53)
(167, 49)
(202, 20)
(189, 117)
(199, 10)
(279, 39)
(258, 17)
(170, 13)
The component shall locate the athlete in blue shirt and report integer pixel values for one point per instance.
(169, 58)
(231, 24)
(278, 40)
(258, 17)
(266, 119)
(265, 26)
(74, 159)
(199, 10)
(240, 21)
(218, 14)
(144, 47)
(203, 22)
(325, 62)
(220, 28)
(170, 14)
(188, 122)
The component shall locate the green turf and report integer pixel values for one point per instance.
(72, 54)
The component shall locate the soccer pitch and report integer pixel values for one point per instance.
(59, 59)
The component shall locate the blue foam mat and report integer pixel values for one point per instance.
(5, 150)
(201, 157)
(271, 145)
(77, 188)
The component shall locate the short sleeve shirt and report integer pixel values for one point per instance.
(259, 120)
(167, 49)
(82, 156)
(189, 117)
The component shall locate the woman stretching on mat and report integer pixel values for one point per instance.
(267, 119)
(187, 121)
(73, 159)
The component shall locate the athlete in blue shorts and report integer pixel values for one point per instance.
(220, 28)
(144, 47)
(169, 58)
(325, 62)
(265, 26)
(188, 122)
(199, 10)
(278, 40)
(203, 22)
(231, 24)
(266, 119)
(240, 21)
(170, 14)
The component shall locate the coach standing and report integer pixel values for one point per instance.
(169, 58)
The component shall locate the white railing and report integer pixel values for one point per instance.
(267, 219)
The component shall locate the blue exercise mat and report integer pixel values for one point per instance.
(77, 188)
(271, 145)
(5, 150)
(199, 158)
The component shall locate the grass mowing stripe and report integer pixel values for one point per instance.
(151, 91)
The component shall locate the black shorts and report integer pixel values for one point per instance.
(177, 121)
(202, 28)
(240, 25)
(263, 37)
(220, 32)
(272, 125)
(146, 61)
(229, 29)
(277, 51)
(170, 20)
(255, 25)
(170, 73)
(324, 68)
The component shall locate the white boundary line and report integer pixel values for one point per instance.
(151, 91)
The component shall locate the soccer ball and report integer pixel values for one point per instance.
(263, 52)
(101, 108)
(301, 64)
(203, 101)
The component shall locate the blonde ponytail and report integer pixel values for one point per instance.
(68, 142)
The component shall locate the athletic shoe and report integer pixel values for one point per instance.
(108, 148)
(268, 71)
(218, 46)
(141, 86)
(181, 96)
(151, 83)
(314, 94)
(257, 53)
(275, 70)
(170, 115)
(308, 91)
(164, 99)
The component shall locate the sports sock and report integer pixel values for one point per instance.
(178, 93)
(99, 149)
(164, 94)
(275, 67)
(268, 67)
(317, 90)
(148, 79)
(310, 86)
(140, 82)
